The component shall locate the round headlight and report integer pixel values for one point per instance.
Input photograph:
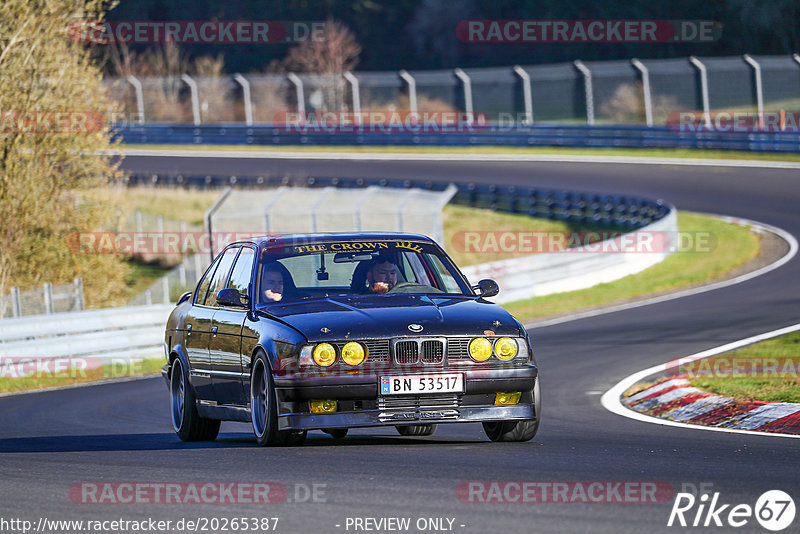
(505, 348)
(353, 353)
(324, 354)
(480, 349)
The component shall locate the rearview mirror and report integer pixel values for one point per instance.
(487, 288)
(231, 297)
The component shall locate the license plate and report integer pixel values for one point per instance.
(421, 384)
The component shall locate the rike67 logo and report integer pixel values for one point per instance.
(774, 510)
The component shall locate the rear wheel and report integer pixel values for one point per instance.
(264, 408)
(416, 430)
(186, 422)
(516, 430)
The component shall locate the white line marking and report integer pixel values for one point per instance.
(379, 156)
(611, 398)
(786, 236)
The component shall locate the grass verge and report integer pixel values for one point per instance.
(733, 246)
(13, 381)
(766, 371)
(518, 151)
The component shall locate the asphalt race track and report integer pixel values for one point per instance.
(121, 432)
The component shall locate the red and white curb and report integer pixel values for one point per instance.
(674, 402)
(675, 399)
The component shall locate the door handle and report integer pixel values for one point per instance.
(214, 330)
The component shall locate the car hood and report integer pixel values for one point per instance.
(383, 316)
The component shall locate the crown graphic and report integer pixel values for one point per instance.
(410, 246)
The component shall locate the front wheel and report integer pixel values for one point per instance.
(517, 430)
(416, 430)
(186, 422)
(264, 409)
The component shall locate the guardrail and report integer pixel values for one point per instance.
(611, 211)
(100, 336)
(489, 135)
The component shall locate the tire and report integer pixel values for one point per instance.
(336, 433)
(416, 430)
(186, 422)
(264, 409)
(516, 430)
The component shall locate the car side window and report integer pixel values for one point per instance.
(242, 269)
(202, 287)
(221, 275)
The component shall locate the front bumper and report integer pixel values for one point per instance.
(364, 418)
(360, 405)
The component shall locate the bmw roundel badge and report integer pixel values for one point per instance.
(415, 327)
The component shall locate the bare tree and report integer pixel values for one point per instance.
(334, 52)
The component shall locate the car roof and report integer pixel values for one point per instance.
(282, 240)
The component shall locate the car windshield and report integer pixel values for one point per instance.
(319, 269)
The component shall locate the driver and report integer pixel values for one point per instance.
(381, 275)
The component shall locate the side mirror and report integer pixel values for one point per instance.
(487, 288)
(231, 297)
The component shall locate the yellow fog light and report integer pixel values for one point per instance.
(321, 406)
(507, 397)
(324, 354)
(505, 348)
(480, 349)
(353, 353)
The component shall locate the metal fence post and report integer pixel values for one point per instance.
(137, 86)
(278, 194)
(81, 303)
(314, 207)
(47, 291)
(527, 94)
(467, 84)
(301, 99)
(138, 216)
(182, 275)
(198, 266)
(703, 89)
(210, 213)
(195, 98)
(412, 89)
(248, 103)
(759, 92)
(648, 102)
(587, 86)
(165, 288)
(16, 303)
(356, 92)
(183, 237)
